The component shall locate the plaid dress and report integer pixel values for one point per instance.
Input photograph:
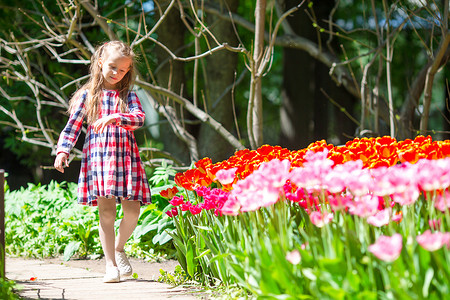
(111, 165)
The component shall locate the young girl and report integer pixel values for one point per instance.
(111, 169)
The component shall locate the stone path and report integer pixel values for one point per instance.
(56, 279)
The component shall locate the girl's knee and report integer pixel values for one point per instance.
(131, 209)
(107, 208)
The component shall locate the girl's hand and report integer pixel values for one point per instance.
(101, 124)
(61, 162)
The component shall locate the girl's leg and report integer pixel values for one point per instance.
(131, 210)
(107, 216)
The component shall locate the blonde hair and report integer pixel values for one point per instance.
(95, 83)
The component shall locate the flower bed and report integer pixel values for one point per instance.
(366, 220)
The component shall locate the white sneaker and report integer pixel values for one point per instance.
(123, 264)
(111, 275)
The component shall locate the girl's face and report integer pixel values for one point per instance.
(114, 68)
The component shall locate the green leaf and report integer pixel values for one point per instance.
(161, 238)
(71, 249)
(203, 227)
(219, 257)
(203, 253)
(190, 260)
(309, 273)
(426, 285)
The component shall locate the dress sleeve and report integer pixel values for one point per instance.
(135, 116)
(69, 135)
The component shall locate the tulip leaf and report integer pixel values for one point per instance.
(426, 285)
(71, 248)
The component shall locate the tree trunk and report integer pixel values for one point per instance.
(220, 72)
(307, 114)
(446, 108)
(254, 111)
(170, 74)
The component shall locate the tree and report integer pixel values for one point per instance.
(203, 64)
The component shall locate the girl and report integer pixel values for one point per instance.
(111, 169)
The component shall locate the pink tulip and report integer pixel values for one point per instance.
(433, 174)
(275, 172)
(195, 209)
(355, 178)
(261, 188)
(313, 172)
(293, 257)
(408, 197)
(381, 218)
(186, 206)
(231, 207)
(294, 196)
(320, 219)
(397, 217)
(364, 206)
(173, 212)
(442, 202)
(336, 180)
(339, 201)
(202, 190)
(398, 179)
(387, 248)
(177, 200)
(433, 241)
(226, 176)
(382, 185)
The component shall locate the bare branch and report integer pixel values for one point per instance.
(339, 74)
(160, 20)
(431, 72)
(94, 13)
(198, 113)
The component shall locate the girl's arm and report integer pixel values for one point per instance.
(134, 118)
(70, 133)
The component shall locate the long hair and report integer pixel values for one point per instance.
(94, 85)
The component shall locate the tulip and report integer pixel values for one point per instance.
(442, 202)
(320, 219)
(195, 209)
(169, 193)
(226, 177)
(397, 217)
(381, 218)
(173, 212)
(293, 257)
(176, 201)
(387, 248)
(433, 241)
(231, 207)
(365, 206)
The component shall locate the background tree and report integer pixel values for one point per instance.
(321, 72)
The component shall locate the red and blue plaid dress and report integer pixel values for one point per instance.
(111, 165)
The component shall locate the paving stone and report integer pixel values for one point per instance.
(61, 281)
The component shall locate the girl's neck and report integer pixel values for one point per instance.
(109, 87)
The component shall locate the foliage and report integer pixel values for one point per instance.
(7, 287)
(50, 219)
(54, 224)
(176, 278)
(321, 229)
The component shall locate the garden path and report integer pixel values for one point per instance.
(82, 279)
